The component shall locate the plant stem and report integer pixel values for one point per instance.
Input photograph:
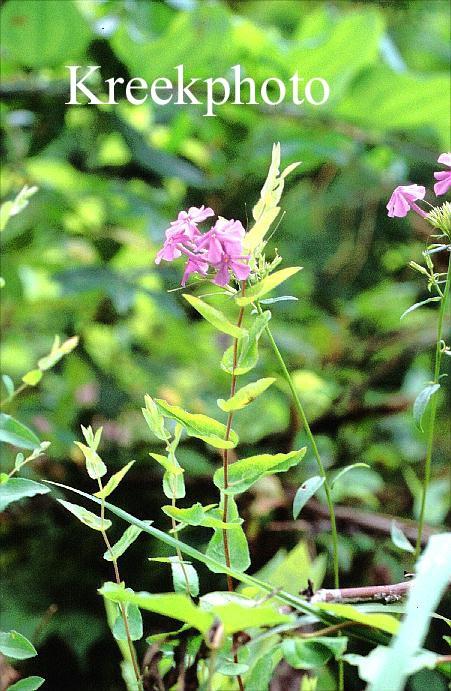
(322, 472)
(121, 605)
(225, 466)
(431, 429)
(225, 453)
(179, 554)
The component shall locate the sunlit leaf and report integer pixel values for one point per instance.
(27, 684)
(247, 351)
(128, 538)
(243, 473)
(266, 285)
(154, 419)
(245, 395)
(419, 304)
(87, 517)
(95, 467)
(114, 481)
(33, 377)
(200, 426)
(214, 316)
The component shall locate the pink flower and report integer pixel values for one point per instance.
(225, 236)
(187, 220)
(403, 199)
(221, 247)
(228, 264)
(443, 176)
(194, 265)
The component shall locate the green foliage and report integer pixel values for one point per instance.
(214, 316)
(305, 492)
(14, 432)
(245, 472)
(245, 395)
(15, 488)
(200, 426)
(14, 645)
(87, 517)
(27, 684)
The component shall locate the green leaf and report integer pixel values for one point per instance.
(200, 426)
(14, 432)
(343, 471)
(312, 653)
(245, 395)
(214, 316)
(94, 465)
(25, 23)
(168, 464)
(433, 573)
(419, 304)
(114, 481)
(87, 517)
(134, 621)
(181, 573)
(173, 605)
(421, 403)
(399, 539)
(266, 285)
(305, 492)
(33, 377)
(237, 542)
(16, 646)
(16, 488)
(58, 351)
(154, 419)
(383, 622)
(237, 612)
(9, 385)
(27, 684)
(15, 206)
(247, 351)
(243, 473)
(128, 538)
(231, 669)
(199, 515)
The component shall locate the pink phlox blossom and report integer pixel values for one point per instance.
(194, 265)
(443, 176)
(220, 248)
(224, 237)
(227, 264)
(403, 199)
(187, 220)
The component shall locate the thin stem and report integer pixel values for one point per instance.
(225, 453)
(322, 472)
(19, 390)
(179, 554)
(225, 466)
(431, 429)
(118, 581)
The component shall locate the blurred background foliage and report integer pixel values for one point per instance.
(80, 260)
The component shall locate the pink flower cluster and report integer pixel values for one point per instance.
(404, 196)
(221, 247)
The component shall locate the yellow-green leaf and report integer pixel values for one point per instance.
(267, 285)
(94, 465)
(214, 316)
(87, 517)
(114, 481)
(243, 473)
(245, 395)
(32, 377)
(383, 622)
(201, 426)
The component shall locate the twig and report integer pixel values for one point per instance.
(374, 593)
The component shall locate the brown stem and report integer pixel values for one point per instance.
(373, 593)
(225, 466)
(121, 604)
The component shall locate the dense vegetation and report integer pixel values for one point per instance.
(78, 261)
